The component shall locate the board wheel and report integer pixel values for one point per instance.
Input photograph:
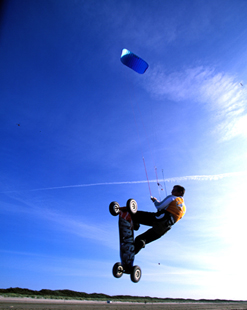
(114, 208)
(131, 206)
(136, 274)
(117, 270)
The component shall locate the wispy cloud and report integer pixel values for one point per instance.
(57, 265)
(220, 93)
(79, 226)
(206, 177)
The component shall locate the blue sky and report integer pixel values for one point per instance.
(75, 124)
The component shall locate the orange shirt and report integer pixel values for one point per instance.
(177, 208)
(173, 204)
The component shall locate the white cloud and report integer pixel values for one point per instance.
(219, 92)
(58, 265)
(80, 226)
(206, 177)
(236, 127)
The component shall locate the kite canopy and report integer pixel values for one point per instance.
(134, 62)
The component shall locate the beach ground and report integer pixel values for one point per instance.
(50, 304)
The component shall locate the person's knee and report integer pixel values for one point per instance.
(160, 229)
(144, 218)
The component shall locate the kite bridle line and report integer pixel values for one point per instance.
(137, 129)
(164, 181)
(147, 176)
(139, 65)
(150, 148)
(144, 128)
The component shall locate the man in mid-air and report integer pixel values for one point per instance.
(169, 211)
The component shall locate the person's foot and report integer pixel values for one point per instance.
(136, 226)
(139, 244)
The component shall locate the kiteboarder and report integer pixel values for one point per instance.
(169, 211)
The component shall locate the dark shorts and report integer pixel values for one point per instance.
(160, 226)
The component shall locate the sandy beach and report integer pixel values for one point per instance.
(50, 304)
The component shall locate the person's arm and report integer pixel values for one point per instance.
(160, 205)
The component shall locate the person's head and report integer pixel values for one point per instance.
(178, 190)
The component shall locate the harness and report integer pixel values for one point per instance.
(168, 218)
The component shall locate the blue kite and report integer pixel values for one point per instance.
(134, 62)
